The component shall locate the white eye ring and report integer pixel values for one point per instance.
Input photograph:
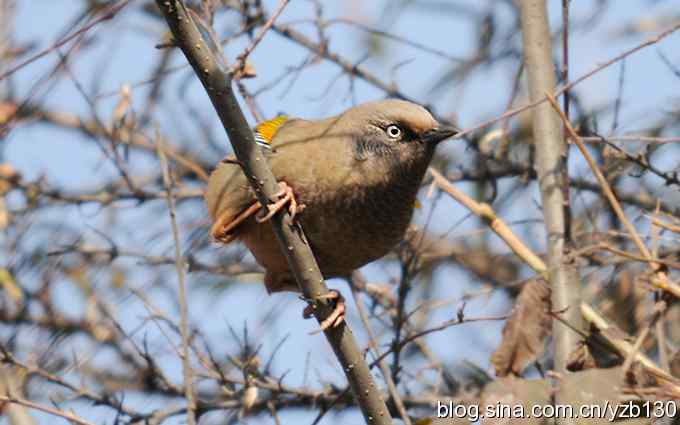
(393, 131)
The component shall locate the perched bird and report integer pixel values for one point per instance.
(350, 180)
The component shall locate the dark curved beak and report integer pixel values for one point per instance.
(440, 133)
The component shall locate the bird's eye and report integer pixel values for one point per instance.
(393, 131)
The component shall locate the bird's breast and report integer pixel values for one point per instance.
(355, 224)
(355, 211)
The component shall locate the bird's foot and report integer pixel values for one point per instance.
(335, 318)
(286, 196)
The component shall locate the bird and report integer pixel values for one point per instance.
(349, 180)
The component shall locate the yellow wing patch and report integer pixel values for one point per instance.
(265, 131)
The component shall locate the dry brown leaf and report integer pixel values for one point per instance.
(7, 111)
(118, 277)
(525, 331)
(8, 175)
(248, 71)
(123, 105)
(249, 397)
(4, 215)
(9, 285)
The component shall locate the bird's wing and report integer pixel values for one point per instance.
(229, 197)
(266, 130)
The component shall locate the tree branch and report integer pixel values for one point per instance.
(218, 85)
(550, 164)
(183, 308)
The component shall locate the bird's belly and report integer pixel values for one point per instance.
(345, 233)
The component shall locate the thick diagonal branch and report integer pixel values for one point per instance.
(218, 85)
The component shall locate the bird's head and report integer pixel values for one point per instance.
(394, 130)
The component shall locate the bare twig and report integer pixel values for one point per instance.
(565, 53)
(106, 15)
(373, 343)
(243, 57)
(623, 346)
(10, 385)
(659, 309)
(183, 309)
(661, 278)
(570, 85)
(49, 410)
(485, 212)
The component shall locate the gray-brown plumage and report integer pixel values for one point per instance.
(357, 175)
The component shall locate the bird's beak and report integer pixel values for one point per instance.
(440, 133)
